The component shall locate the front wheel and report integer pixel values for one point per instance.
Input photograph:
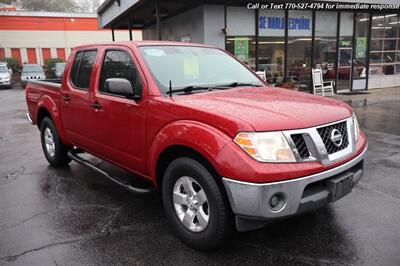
(54, 150)
(194, 205)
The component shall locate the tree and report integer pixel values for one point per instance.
(50, 5)
(7, 2)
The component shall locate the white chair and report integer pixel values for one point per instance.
(262, 75)
(319, 86)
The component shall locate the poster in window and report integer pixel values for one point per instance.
(361, 47)
(242, 49)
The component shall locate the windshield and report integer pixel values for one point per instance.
(3, 69)
(32, 68)
(59, 67)
(194, 66)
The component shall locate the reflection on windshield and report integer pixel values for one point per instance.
(32, 68)
(194, 66)
(3, 69)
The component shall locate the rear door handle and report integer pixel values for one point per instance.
(66, 98)
(96, 105)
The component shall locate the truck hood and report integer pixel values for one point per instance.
(268, 109)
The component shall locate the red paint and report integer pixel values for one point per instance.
(12, 8)
(16, 53)
(2, 53)
(31, 52)
(49, 23)
(46, 54)
(132, 134)
(61, 53)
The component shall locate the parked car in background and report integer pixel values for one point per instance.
(59, 69)
(6, 75)
(31, 72)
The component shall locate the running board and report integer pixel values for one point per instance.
(73, 154)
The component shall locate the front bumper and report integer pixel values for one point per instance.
(251, 201)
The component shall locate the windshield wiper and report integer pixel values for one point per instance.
(189, 89)
(239, 84)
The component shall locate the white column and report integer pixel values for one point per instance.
(24, 55)
(53, 52)
(67, 53)
(39, 56)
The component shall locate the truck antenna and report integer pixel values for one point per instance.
(170, 89)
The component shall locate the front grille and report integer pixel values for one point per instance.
(325, 133)
(301, 145)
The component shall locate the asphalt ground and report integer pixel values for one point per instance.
(72, 216)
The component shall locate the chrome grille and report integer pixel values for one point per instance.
(300, 145)
(325, 133)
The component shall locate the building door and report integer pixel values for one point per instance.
(344, 69)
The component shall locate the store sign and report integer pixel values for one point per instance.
(279, 23)
(242, 49)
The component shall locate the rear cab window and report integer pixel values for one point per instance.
(82, 69)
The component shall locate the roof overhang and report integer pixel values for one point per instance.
(118, 14)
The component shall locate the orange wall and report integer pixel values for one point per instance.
(61, 53)
(46, 54)
(31, 52)
(2, 53)
(47, 23)
(16, 53)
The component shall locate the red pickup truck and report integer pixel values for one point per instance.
(225, 150)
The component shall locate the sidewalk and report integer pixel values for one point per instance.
(370, 96)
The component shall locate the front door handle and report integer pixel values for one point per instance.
(96, 105)
(66, 98)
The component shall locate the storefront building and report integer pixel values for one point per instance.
(34, 37)
(358, 50)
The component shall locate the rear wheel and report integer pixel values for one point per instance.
(194, 205)
(54, 150)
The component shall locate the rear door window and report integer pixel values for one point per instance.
(82, 69)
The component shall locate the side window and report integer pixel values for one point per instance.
(75, 67)
(82, 69)
(119, 64)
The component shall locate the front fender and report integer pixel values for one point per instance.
(203, 138)
(51, 106)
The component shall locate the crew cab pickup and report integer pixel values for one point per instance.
(224, 149)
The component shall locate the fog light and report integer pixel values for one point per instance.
(277, 202)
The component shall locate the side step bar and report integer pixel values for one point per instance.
(73, 154)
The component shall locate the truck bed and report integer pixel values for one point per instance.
(37, 90)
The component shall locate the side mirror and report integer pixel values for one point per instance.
(121, 86)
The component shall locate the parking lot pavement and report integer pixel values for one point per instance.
(72, 216)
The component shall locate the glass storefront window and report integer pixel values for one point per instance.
(299, 49)
(361, 34)
(271, 45)
(325, 44)
(390, 26)
(345, 53)
(384, 63)
(240, 38)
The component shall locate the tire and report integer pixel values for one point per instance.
(57, 154)
(220, 219)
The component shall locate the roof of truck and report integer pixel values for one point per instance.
(141, 43)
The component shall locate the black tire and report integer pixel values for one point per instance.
(60, 157)
(220, 223)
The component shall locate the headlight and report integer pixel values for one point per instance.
(356, 127)
(266, 146)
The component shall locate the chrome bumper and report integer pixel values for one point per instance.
(29, 118)
(252, 200)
